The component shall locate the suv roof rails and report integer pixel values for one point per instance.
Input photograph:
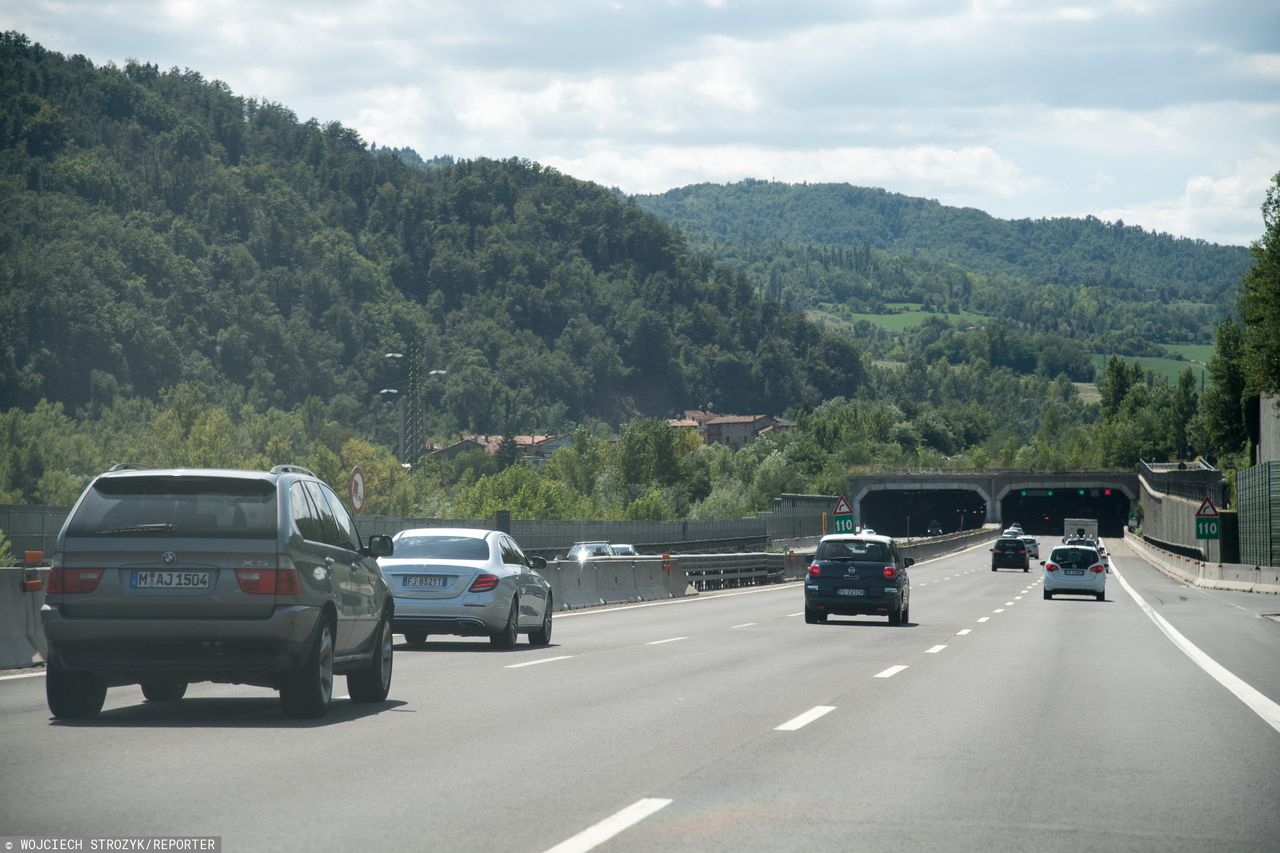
(291, 469)
(129, 466)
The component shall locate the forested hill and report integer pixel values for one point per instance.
(1058, 251)
(159, 229)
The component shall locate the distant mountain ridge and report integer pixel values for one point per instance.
(1060, 250)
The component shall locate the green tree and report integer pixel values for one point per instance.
(1260, 301)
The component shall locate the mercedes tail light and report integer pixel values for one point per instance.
(73, 580)
(484, 583)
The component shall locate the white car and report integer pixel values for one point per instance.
(1075, 570)
(1033, 546)
(452, 580)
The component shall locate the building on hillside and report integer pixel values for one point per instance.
(735, 431)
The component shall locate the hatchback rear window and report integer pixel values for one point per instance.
(177, 506)
(851, 549)
(1074, 558)
(442, 547)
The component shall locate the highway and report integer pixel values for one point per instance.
(995, 721)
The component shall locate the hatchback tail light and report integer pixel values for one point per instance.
(814, 570)
(282, 581)
(484, 583)
(73, 580)
(1097, 568)
(890, 573)
(1050, 567)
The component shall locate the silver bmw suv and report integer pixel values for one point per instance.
(166, 577)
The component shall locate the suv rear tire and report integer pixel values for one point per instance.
(307, 692)
(73, 695)
(373, 683)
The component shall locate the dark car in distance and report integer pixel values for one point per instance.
(857, 575)
(1010, 552)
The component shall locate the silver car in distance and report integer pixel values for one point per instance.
(469, 582)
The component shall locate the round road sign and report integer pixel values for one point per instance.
(357, 489)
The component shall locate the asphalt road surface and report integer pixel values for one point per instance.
(995, 721)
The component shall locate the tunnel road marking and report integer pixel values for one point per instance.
(593, 836)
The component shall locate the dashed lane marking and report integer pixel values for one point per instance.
(593, 836)
(890, 672)
(797, 723)
(935, 650)
(536, 662)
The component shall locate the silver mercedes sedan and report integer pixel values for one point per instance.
(470, 582)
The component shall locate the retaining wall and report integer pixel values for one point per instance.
(1210, 575)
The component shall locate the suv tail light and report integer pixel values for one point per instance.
(73, 580)
(484, 583)
(890, 573)
(282, 581)
(814, 570)
(1050, 567)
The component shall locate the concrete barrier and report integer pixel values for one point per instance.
(22, 641)
(1228, 576)
(615, 580)
(651, 583)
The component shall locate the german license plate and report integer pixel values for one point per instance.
(169, 580)
(426, 582)
(1074, 571)
(854, 592)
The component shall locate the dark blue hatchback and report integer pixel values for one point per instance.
(858, 575)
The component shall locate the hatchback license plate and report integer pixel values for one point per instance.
(426, 581)
(854, 592)
(169, 580)
(1075, 571)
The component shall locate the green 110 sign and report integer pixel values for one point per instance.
(844, 523)
(1206, 528)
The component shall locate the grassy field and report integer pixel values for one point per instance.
(1169, 368)
(1192, 352)
(909, 315)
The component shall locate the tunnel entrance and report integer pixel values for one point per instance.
(1041, 511)
(903, 513)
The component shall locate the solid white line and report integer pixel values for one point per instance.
(934, 650)
(668, 640)
(536, 662)
(891, 672)
(743, 625)
(593, 836)
(805, 719)
(1268, 710)
(984, 619)
(35, 674)
(964, 631)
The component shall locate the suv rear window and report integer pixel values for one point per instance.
(177, 506)
(1013, 544)
(443, 547)
(851, 549)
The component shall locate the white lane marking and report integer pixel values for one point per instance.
(934, 650)
(743, 625)
(35, 674)
(593, 836)
(984, 619)
(964, 631)
(536, 662)
(1268, 710)
(797, 723)
(1008, 604)
(801, 613)
(890, 672)
(668, 640)
(998, 610)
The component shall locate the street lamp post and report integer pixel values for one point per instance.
(410, 406)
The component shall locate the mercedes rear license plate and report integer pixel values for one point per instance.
(169, 580)
(851, 592)
(426, 581)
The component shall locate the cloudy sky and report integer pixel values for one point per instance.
(1162, 113)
